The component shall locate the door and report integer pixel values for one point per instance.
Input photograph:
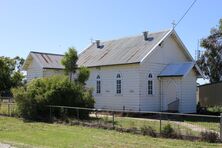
(170, 93)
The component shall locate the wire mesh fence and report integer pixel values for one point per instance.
(141, 122)
(8, 109)
(188, 125)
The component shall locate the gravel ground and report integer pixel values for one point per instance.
(6, 146)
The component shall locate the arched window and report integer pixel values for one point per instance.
(150, 84)
(98, 85)
(118, 84)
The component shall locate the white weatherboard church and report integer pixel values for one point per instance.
(148, 72)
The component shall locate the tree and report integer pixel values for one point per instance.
(69, 61)
(83, 75)
(10, 75)
(211, 61)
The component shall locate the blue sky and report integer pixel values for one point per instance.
(53, 26)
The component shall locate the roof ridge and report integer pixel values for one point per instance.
(132, 36)
(36, 52)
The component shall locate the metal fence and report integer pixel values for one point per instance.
(7, 109)
(187, 125)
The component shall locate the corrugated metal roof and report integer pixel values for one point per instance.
(121, 51)
(48, 60)
(177, 70)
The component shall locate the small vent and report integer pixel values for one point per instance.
(145, 35)
(98, 43)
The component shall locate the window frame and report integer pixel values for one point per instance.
(118, 84)
(98, 84)
(150, 84)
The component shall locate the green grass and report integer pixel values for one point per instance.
(128, 122)
(19, 133)
(215, 126)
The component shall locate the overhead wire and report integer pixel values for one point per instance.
(175, 25)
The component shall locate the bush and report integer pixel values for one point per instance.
(57, 90)
(168, 131)
(215, 109)
(148, 130)
(209, 136)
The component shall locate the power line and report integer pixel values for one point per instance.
(174, 25)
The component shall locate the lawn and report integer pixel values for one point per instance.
(32, 134)
(185, 127)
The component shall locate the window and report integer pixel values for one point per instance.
(118, 84)
(150, 84)
(98, 85)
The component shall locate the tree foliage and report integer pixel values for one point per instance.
(33, 98)
(211, 60)
(10, 75)
(69, 61)
(83, 75)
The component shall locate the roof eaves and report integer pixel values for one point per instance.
(182, 44)
(154, 47)
(170, 76)
(35, 52)
(113, 64)
(53, 68)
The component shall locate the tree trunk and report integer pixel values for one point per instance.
(70, 76)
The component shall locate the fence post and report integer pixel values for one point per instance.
(160, 123)
(8, 109)
(113, 120)
(77, 110)
(50, 113)
(221, 126)
(96, 113)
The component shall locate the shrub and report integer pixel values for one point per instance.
(209, 136)
(57, 90)
(215, 109)
(132, 130)
(168, 131)
(148, 130)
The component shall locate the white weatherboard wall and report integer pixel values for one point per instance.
(189, 87)
(108, 97)
(169, 53)
(34, 71)
(52, 72)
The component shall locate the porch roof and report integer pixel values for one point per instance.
(177, 70)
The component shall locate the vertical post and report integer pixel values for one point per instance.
(113, 120)
(77, 110)
(221, 126)
(50, 113)
(8, 109)
(160, 123)
(96, 114)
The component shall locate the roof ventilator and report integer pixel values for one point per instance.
(145, 35)
(98, 43)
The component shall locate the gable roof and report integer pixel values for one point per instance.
(45, 60)
(127, 50)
